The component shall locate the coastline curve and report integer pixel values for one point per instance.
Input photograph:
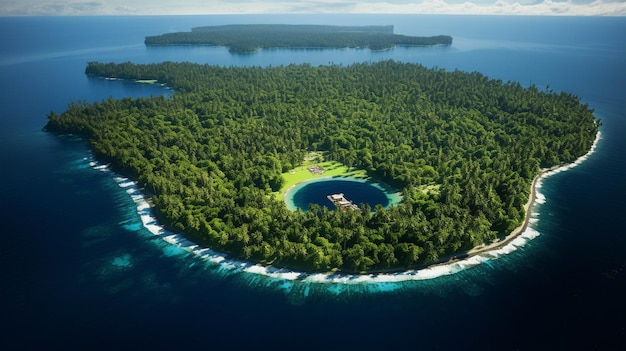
(449, 265)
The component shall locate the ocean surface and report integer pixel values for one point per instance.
(82, 269)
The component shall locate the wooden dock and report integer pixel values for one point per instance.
(340, 201)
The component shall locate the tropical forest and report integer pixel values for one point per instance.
(242, 38)
(463, 150)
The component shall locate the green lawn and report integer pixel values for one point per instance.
(331, 169)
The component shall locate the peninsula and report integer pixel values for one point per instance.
(462, 148)
(250, 38)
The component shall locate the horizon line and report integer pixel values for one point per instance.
(494, 14)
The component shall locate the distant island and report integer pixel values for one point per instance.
(462, 149)
(250, 38)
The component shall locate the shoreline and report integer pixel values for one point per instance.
(444, 266)
(502, 242)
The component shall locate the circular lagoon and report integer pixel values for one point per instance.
(357, 191)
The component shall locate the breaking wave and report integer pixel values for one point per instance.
(334, 281)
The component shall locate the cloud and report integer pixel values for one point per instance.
(164, 7)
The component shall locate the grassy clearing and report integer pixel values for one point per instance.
(430, 189)
(335, 169)
(331, 169)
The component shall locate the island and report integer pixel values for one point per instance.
(249, 38)
(214, 158)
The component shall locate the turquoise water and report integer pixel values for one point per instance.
(358, 191)
(77, 253)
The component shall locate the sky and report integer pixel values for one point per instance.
(185, 7)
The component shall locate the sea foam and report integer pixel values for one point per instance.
(431, 272)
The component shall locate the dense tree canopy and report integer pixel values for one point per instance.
(249, 38)
(213, 153)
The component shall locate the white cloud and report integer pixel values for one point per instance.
(163, 7)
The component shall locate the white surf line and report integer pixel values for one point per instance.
(540, 197)
(150, 223)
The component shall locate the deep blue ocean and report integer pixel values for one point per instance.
(79, 271)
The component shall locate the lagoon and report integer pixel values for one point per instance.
(359, 191)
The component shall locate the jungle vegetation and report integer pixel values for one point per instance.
(211, 155)
(250, 38)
